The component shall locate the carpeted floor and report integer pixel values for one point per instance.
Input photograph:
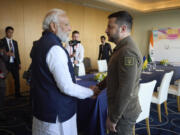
(170, 124)
(19, 119)
(18, 112)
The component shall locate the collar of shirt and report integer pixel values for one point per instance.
(9, 40)
(122, 43)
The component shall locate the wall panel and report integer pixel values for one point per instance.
(26, 17)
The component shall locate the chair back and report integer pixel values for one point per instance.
(81, 71)
(87, 63)
(145, 96)
(102, 65)
(178, 86)
(177, 83)
(163, 90)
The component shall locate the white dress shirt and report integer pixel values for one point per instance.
(57, 62)
(11, 60)
(79, 52)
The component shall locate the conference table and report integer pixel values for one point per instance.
(92, 113)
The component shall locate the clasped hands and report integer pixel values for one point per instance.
(9, 53)
(96, 91)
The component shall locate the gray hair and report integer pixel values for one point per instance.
(52, 16)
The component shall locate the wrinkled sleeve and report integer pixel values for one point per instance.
(127, 72)
(58, 65)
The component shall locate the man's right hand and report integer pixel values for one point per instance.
(10, 53)
(2, 76)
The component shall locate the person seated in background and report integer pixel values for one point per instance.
(3, 73)
(105, 50)
(76, 51)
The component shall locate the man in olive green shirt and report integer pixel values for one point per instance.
(122, 82)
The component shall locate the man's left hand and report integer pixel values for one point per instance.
(110, 125)
(96, 91)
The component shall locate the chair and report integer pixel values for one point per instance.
(88, 67)
(175, 90)
(160, 96)
(87, 63)
(102, 65)
(145, 96)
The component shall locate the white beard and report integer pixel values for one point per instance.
(62, 35)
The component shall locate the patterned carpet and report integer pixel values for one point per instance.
(18, 112)
(18, 121)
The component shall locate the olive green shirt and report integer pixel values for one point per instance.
(124, 71)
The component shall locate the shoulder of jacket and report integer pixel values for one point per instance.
(14, 41)
(3, 39)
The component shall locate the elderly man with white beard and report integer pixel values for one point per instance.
(55, 91)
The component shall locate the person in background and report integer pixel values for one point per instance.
(105, 50)
(76, 51)
(3, 74)
(13, 64)
(55, 92)
(124, 71)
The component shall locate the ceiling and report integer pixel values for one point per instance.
(142, 6)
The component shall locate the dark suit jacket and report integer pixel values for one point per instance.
(16, 51)
(105, 51)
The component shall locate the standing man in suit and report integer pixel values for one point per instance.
(13, 64)
(105, 50)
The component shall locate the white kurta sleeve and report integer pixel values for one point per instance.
(57, 62)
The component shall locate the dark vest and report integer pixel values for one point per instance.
(48, 102)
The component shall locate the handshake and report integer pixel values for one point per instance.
(96, 91)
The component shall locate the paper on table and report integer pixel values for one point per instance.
(78, 79)
(161, 70)
(148, 73)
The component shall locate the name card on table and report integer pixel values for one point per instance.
(78, 79)
(160, 70)
(147, 73)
